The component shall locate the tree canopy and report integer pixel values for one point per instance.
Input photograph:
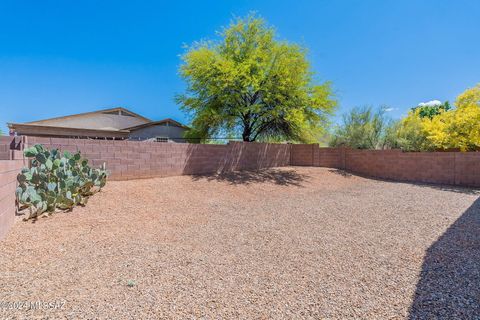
(430, 111)
(253, 85)
(427, 127)
(410, 134)
(458, 128)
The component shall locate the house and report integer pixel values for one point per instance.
(115, 123)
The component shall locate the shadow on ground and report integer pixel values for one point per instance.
(449, 285)
(277, 176)
(340, 172)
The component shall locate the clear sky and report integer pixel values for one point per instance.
(63, 57)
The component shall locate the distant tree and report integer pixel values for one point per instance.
(432, 110)
(436, 126)
(409, 134)
(391, 135)
(251, 84)
(458, 128)
(362, 128)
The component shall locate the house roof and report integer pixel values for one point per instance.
(35, 129)
(113, 122)
(90, 113)
(153, 123)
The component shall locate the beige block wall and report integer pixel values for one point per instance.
(449, 168)
(142, 159)
(8, 182)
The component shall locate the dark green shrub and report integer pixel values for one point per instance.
(361, 128)
(55, 181)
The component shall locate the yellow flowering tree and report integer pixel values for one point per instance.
(458, 128)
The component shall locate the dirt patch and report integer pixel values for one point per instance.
(291, 243)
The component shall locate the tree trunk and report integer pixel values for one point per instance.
(247, 129)
(246, 134)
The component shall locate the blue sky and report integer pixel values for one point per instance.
(63, 57)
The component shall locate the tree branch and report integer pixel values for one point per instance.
(261, 129)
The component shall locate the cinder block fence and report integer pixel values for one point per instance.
(8, 183)
(449, 168)
(138, 159)
(135, 159)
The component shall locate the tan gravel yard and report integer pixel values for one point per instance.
(280, 243)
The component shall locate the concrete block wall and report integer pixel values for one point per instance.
(330, 157)
(467, 168)
(452, 168)
(9, 146)
(134, 159)
(252, 156)
(426, 167)
(302, 154)
(8, 183)
(141, 159)
(313, 155)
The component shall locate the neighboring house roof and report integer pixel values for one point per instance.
(112, 111)
(34, 129)
(114, 122)
(159, 122)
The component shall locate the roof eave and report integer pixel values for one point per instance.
(32, 129)
(91, 112)
(152, 123)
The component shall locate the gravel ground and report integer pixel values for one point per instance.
(280, 243)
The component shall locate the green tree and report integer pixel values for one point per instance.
(430, 111)
(250, 84)
(391, 134)
(362, 128)
(409, 133)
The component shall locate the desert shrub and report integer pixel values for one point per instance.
(391, 135)
(361, 128)
(56, 181)
(409, 134)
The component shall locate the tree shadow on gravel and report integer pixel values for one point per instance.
(276, 176)
(340, 172)
(449, 285)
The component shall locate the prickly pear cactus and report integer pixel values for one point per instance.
(56, 181)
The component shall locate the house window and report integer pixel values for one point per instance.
(161, 139)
